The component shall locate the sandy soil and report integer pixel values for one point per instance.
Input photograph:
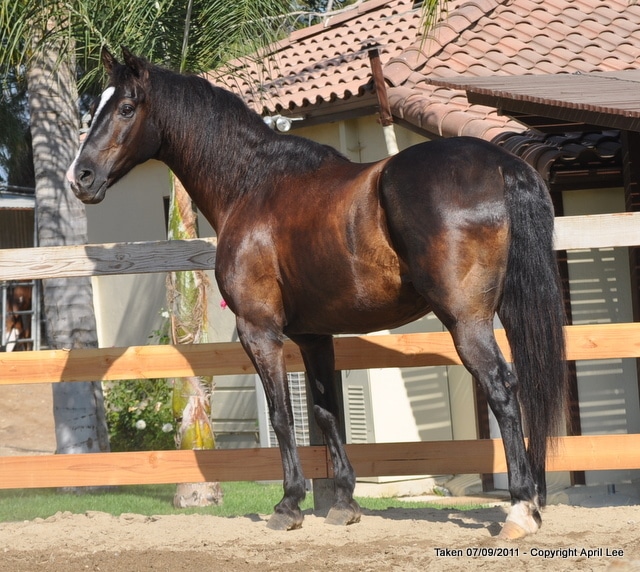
(26, 420)
(403, 540)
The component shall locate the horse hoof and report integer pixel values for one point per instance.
(343, 516)
(281, 521)
(512, 531)
(523, 519)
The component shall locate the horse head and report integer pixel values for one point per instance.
(119, 137)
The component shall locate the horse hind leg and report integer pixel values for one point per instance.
(318, 355)
(477, 347)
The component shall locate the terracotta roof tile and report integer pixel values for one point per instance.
(442, 35)
(458, 22)
(629, 51)
(328, 64)
(624, 25)
(542, 44)
(593, 28)
(547, 66)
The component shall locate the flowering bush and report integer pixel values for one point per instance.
(139, 415)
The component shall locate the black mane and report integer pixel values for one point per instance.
(228, 133)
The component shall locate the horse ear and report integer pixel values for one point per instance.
(136, 64)
(108, 61)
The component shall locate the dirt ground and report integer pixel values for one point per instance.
(393, 540)
(403, 540)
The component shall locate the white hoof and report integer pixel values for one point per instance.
(523, 519)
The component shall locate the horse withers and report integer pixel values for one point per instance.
(311, 245)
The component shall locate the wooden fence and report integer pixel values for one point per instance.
(361, 352)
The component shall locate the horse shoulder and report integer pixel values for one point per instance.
(247, 269)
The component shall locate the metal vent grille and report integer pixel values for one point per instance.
(358, 426)
(298, 392)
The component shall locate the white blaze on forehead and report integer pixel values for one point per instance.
(107, 94)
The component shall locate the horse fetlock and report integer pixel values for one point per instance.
(523, 519)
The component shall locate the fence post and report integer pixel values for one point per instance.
(323, 489)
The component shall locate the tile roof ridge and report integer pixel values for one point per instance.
(464, 16)
(338, 18)
(341, 16)
(461, 18)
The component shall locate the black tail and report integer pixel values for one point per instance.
(532, 313)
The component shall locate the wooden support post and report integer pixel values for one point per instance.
(386, 119)
(573, 424)
(323, 488)
(631, 179)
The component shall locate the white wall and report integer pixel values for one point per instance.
(128, 307)
(133, 209)
(600, 294)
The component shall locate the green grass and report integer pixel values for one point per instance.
(240, 498)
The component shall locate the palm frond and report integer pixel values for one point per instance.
(433, 11)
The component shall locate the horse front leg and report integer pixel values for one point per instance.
(318, 355)
(266, 352)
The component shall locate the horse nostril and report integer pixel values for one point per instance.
(86, 177)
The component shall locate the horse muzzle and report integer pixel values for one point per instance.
(85, 185)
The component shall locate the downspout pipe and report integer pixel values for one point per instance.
(385, 117)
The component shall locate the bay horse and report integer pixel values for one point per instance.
(18, 318)
(311, 245)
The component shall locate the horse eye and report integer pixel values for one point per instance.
(127, 110)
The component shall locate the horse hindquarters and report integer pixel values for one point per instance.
(532, 312)
(473, 224)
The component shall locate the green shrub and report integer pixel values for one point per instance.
(139, 415)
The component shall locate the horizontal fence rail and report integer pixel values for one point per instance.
(602, 341)
(604, 231)
(107, 259)
(390, 459)
(397, 459)
(357, 352)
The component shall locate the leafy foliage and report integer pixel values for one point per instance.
(310, 12)
(186, 35)
(16, 159)
(139, 415)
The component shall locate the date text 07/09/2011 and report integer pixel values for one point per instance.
(546, 553)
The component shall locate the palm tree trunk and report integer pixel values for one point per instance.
(68, 303)
(191, 395)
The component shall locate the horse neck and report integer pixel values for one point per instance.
(222, 152)
(206, 137)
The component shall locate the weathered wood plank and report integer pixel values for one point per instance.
(589, 231)
(597, 231)
(601, 341)
(598, 452)
(107, 259)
